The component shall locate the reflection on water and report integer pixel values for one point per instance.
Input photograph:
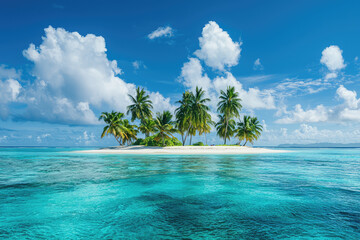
(54, 193)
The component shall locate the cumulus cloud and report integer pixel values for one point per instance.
(161, 32)
(73, 77)
(348, 110)
(217, 49)
(6, 73)
(351, 107)
(86, 139)
(298, 115)
(332, 58)
(192, 75)
(9, 89)
(161, 103)
(253, 98)
(258, 65)
(306, 133)
(349, 97)
(9, 92)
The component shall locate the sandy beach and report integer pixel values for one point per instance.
(183, 150)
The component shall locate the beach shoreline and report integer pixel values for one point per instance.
(183, 150)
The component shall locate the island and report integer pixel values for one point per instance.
(183, 150)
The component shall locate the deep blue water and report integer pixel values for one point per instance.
(53, 193)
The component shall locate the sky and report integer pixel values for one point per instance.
(295, 65)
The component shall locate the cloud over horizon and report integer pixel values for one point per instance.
(73, 77)
(219, 52)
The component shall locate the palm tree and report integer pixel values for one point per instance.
(183, 116)
(200, 111)
(118, 127)
(113, 127)
(193, 114)
(164, 126)
(206, 127)
(141, 107)
(225, 127)
(229, 106)
(249, 130)
(147, 127)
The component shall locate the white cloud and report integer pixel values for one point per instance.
(332, 58)
(330, 76)
(299, 115)
(217, 48)
(161, 103)
(349, 110)
(40, 138)
(73, 77)
(349, 97)
(86, 139)
(192, 75)
(258, 65)
(311, 134)
(292, 86)
(161, 32)
(138, 64)
(6, 73)
(251, 99)
(306, 133)
(9, 92)
(219, 51)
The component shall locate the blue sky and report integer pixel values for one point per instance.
(295, 64)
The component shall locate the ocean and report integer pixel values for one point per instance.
(54, 193)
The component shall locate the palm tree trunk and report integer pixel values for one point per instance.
(147, 135)
(190, 139)
(205, 139)
(245, 142)
(118, 140)
(187, 134)
(226, 128)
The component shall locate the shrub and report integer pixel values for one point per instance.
(198, 144)
(150, 141)
(139, 141)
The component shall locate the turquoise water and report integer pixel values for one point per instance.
(52, 193)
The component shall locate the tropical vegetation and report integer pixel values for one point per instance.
(249, 129)
(192, 117)
(120, 128)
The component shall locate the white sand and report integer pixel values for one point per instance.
(185, 150)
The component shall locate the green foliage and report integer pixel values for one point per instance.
(139, 141)
(141, 107)
(229, 106)
(153, 141)
(199, 144)
(164, 127)
(249, 129)
(193, 114)
(225, 128)
(147, 127)
(120, 128)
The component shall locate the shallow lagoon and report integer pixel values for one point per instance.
(54, 193)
